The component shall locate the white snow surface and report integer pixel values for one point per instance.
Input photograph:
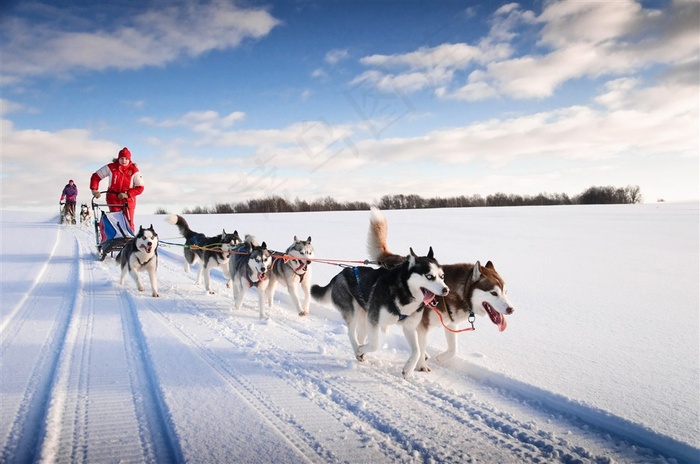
(599, 362)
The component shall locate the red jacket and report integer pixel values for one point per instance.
(121, 179)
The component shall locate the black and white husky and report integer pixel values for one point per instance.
(85, 214)
(250, 267)
(293, 270)
(371, 299)
(140, 254)
(211, 252)
(474, 289)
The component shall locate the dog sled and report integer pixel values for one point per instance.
(65, 215)
(112, 230)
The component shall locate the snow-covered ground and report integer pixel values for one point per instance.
(599, 363)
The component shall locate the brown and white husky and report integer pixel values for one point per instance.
(473, 288)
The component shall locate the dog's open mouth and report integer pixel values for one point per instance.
(496, 317)
(428, 296)
(147, 248)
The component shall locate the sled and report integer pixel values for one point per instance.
(64, 216)
(112, 230)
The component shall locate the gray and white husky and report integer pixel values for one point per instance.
(140, 254)
(249, 268)
(292, 272)
(474, 288)
(211, 252)
(371, 299)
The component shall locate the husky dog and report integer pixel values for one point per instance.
(210, 251)
(67, 214)
(292, 272)
(473, 288)
(249, 268)
(371, 299)
(85, 214)
(140, 254)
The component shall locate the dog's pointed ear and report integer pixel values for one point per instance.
(430, 253)
(412, 258)
(263, 246)
(296, 239)
(308, 240)
(476, 272)
(489, 265)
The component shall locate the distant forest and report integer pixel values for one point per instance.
(276, 204)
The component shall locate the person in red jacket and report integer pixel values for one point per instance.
(125, 182)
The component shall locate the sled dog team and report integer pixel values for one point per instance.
(416, 292)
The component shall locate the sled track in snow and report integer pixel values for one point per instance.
(323, 405)
(78, 394)
(43, 319)
(343, 396)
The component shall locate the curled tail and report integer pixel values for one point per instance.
(376, 241)
(181, 223)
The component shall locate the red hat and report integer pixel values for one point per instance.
(125, 153)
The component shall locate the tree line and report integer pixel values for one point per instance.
(276, 204)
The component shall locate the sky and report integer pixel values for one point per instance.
(223, 101)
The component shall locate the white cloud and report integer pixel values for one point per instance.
(152, 38)
(337, 55)
(7, 106)
(570, 40)
(206, 122)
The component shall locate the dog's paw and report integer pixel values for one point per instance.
(407, 374)
(360, 357)
(442, 357)
(423, 368)
(142, 288)
(304, 313)
(156, 295)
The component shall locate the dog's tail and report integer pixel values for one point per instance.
(181, 223)
(376, 241)
(322, 294)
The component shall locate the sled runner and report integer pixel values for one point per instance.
(112, 231)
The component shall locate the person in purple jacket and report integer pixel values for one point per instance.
(70, 194)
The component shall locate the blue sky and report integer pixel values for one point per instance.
(225, 101)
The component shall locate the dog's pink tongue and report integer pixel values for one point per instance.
(428, 296)
(502, 324)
